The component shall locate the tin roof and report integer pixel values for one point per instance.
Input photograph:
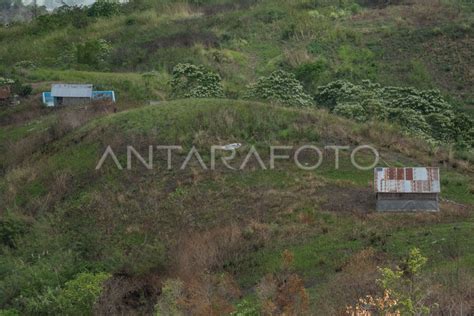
(71, 90)
(407, 180)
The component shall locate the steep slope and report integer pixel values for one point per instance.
(143, 226)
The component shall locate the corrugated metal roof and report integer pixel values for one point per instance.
(71, 90)
(407, 180)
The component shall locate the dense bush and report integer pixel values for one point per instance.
(76, 297)
(280, 87)
(422, 112)
(94, 53)
(191, 81)
(80, 293)
(21, 89)
(104, 8)
(61, 17)
(353, 111)
(10, 229)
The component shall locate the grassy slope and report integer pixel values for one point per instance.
(78, 219)
(423, 45)
(89, 220)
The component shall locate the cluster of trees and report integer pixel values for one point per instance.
(421, 112)
(281, 87)
(15, 10)
(63, 11)
(77, 16)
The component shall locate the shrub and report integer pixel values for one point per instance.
(421, 112)
(441, 126)
(104, 8)
(6, 81)
(136, 254)
(410, 120)
(93, 53)
(283, 293)
(22, 90)
(280, 87)
(337, 91)
(79, 294)
(402, 290)
(10, 229)
(463, 130)
(246, 308)
(310, 74)
(191, 81)
(353, 111)
(403, 284)
(171, 295)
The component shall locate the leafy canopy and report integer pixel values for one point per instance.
(191, 81)
(280, 87)
(421, 112)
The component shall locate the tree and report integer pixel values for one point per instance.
(403, 293)
(191, 81)
(104, 8)
(281, 87)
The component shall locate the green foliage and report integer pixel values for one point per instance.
(136, 254)
(421, 112)
(61, 17)
(9, 312)
(76, 297)
(355, 63)
(312, 74)
(94, 53)
(10, 229)
(79, 294)
(353, 111)
(6, 81)
(280, 87)
(168, 303)
(104, 8)
(21, 89)
(403, 284)
(463, 130)
(410, 120)
(191, 81)
(246, 308)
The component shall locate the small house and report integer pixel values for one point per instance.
(75, 94)
(407, 189)
(71, 94)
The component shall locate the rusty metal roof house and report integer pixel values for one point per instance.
(407, 189)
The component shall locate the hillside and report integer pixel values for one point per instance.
(139, 221)
(76, 239)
